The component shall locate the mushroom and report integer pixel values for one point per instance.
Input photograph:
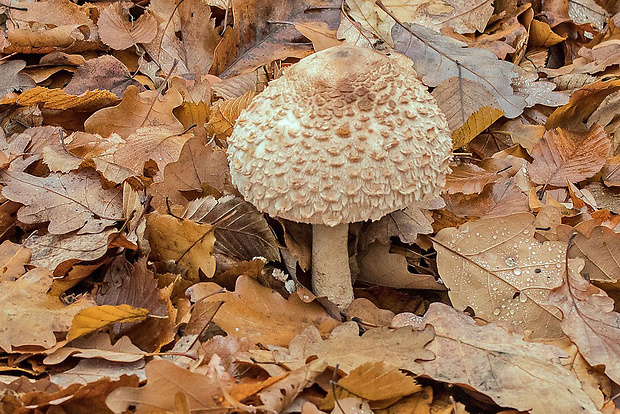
(347, 134)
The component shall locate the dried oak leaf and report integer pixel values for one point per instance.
(60, 252)
(497, 267)
(600, 250)
(562, 156)
(589, 320)
(58, 99)
(186, 35)
(514, 373)
(378, 266)
(496, 199)
(54, 13)
(164, 381)
(29, 316)
(11, 79)
(119, 31)
(241, 231)
(104, 73)
(403, 347)
(136, 285)
(254, 41)
(137, 110)
(277, 396)
(76, 398)
(376, 382)
(70, 202)
(161, 145)
(261, 314)
(185, 242)
(13, 257)
(201, 170)
(468, 178)
(429, 51)
(225, 113)
(97, 346)
(89, 371)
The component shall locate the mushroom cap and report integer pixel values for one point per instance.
(347, 134)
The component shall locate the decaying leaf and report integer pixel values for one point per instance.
(435, 59)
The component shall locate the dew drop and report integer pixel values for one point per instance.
(516, 271)
(522, 298)
(497, 311)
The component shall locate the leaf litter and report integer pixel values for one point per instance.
(134, 277)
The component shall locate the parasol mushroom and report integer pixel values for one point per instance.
(347, 134)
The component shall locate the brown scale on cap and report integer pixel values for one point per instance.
(347, 134)
(358, 116)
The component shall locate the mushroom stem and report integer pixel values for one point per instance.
(331, 276)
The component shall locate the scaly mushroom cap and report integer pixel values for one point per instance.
(347, 134)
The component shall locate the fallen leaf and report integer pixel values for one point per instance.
(563, 156)
(373, 381)
(260, 314)
(164, 381)
(403, 348)
(378, 266)
(201, 170)
(96, 317)
(31, 317)
(497, 363)
(118, 32)
(60, 252)
(468, 178)
(185, 242)
(103, 73)
(429, 51)
(12, 77)
(13, 258)
(186, 34)
(160, 145)
(137, 110)
(89, 371)
(467, 108)
(497, 267)
(70, 202)
(599, 251)
(589, 320)
(59, 99)
(97, 346)
(241, 231)
(225, 113)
